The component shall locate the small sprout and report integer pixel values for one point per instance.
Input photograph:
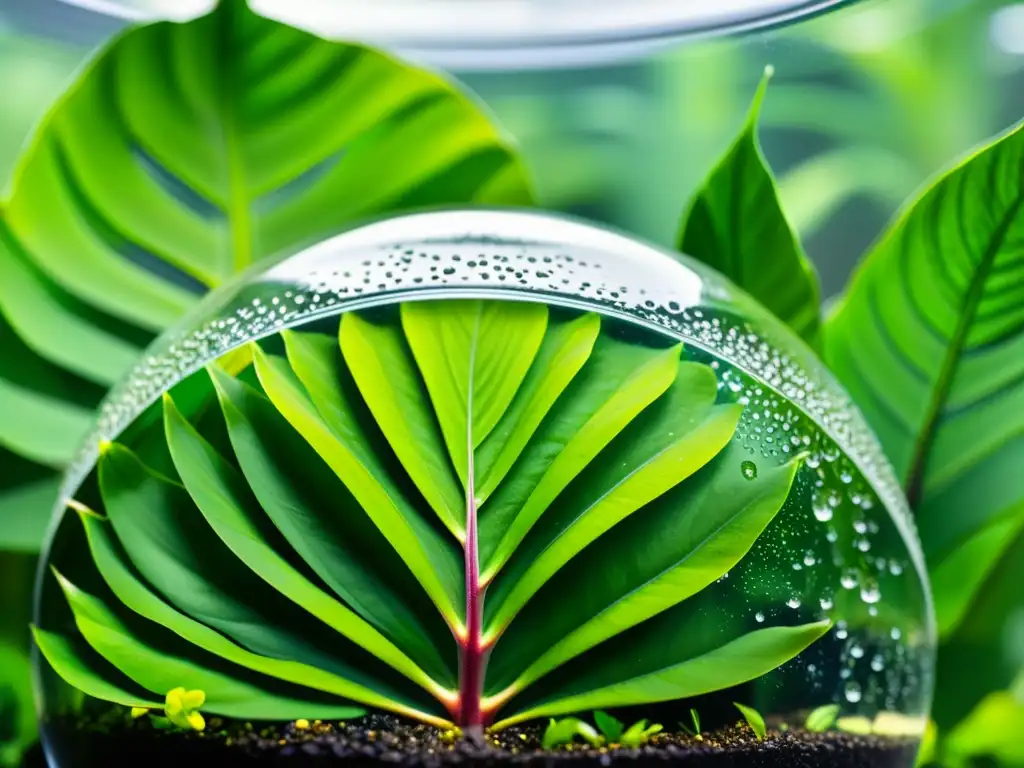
(822, 718)
(784, 727)
(138, 712)
(859, 726)
(302, 724)
(639, 734)
(182, 708)
(609, 726)
(562, 732)
(754, 720)
(695, 731)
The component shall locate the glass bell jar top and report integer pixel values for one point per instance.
(366, 478)
(501, 34)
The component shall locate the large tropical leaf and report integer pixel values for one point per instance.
(182, 154)
(735, 224)
(320, 525)
(929, 341)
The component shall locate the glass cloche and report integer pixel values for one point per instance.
(475, 471)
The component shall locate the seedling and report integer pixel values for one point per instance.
(639, 734)
(822, 718)
(754, 720)
(609, 726)
(562, 732)
(695, 731)
(181, 710)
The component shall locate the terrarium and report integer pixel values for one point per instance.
(455, 485)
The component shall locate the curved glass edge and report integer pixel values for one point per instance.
(500, 34)
(572, 262)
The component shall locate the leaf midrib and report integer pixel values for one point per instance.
(951, 361)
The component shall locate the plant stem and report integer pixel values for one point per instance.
(473, 655)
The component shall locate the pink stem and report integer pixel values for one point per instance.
(473, 654)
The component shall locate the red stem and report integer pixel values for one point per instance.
(473, 655)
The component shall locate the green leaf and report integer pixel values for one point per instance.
(639, 734)
(330, 427)
(562, 732)
(157, 671)
(385, 372)
(754, 720)
(222, 495)
(610, 728)
(928, 341)
(736, 225)
(129, 589)
(182, 154)
(473, 356)
(674, 548)
(74, 666)
(738, 661)
(664, 447)
(321, 520)
(618, 381)
(22, 511)
(957, 579)
(992, 730)
(822, 718)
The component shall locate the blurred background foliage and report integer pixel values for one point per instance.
(866, 104)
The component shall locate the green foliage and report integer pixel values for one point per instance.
(562, 732)
(318, 531)
(822, 718)
(927, 341)
(754, 720)
(610, 727)
(991, 731)
(695, 730)
(182, 154)
(639, 733)
(736, 225)
(17, 725)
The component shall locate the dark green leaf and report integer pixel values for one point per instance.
(324, 417)
(736, 225)
(679, 434)
(222, 495)
(321, 520)
(929, 341)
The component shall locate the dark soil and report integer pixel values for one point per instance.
(379, 739)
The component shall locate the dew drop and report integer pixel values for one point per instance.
(860, 526)
(877, 663)
(849, 579)
(749, 470)
(870, 593)
(826, 603)
(759, 617)
(895, 634)
(793, 602)
(809, 558)
(823, 512)
(853, 693)
(857, 651)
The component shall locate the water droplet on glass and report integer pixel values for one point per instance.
(877, 663)
(759, 617)
(809, 558)
(826, 603)
(857, 651)
(870, 593)
(853, 693)
(895, 634)
(823, 512)
(849, 579)
(832, 536)
(864, 545)
(895, 568)
(860, 526)
(793, 602)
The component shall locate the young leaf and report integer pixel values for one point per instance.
(232, 139)
(610, 728)
(822, 718)
(639, 734)
(736, 225)
(561, 732)
(754, 720)
(473, 356)
(695, 717)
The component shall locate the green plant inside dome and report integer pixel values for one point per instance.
(395, 515)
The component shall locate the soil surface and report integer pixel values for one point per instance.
(383, 739)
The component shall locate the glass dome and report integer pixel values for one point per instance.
(673, 409)
(502, 34)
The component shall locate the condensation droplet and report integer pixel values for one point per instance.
(793, 602)
(849, 579)
(826, 603)
(809, 558)
(870, 593)
(759, 617)
(857, 651)
(853, 693)
(749, 470)
(895, 634)
(877, 663)
(823, 512)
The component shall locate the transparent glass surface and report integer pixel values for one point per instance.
(842, 547)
